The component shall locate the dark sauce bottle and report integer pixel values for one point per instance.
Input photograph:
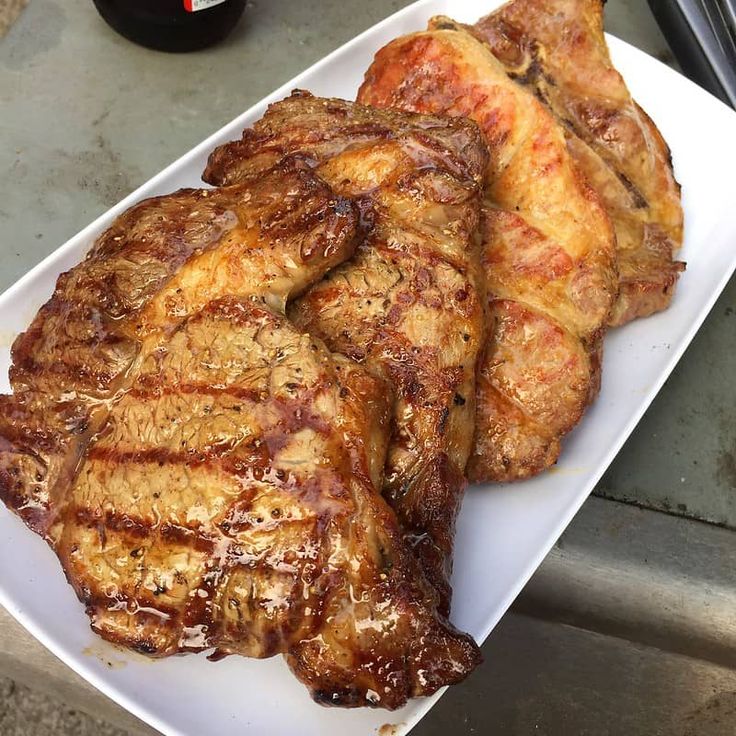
(172, 25)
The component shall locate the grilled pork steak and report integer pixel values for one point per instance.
(408, 304)
(548, 248)
(558, 50)
(206, 472)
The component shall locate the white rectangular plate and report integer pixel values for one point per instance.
(504, 532)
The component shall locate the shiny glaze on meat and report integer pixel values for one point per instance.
(207, 472)
(408, 303)
(548, 250)
(558, 50)
(160, 261)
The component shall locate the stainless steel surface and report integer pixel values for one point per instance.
(719, 19)
(627, 627)
(714, 39)
(728, 11)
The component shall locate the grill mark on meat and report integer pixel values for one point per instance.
(155, 455)
(181, 534)
(202, 538)
(163, 614)
(20, 438)
(112, 520)
(191, 457)
(150, 387)
(68, 373)
(308, 220)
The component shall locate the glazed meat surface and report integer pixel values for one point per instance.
(408, 304)
(207, 472)
(558, 50)
(548, 248)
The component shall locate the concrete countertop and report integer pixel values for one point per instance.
(85, 117)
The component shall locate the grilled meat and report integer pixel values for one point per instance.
(548, 251)
(558, 50)
(80, 348)
(408, 304)
(206, 472)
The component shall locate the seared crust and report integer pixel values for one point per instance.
(548, 250)
(408, 304)
(161, 260)
(242, 515)
(206, 472)
(558, 50)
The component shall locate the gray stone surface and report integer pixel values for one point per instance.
(27, 712)
(87, 116)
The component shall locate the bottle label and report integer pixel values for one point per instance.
(192, 6)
